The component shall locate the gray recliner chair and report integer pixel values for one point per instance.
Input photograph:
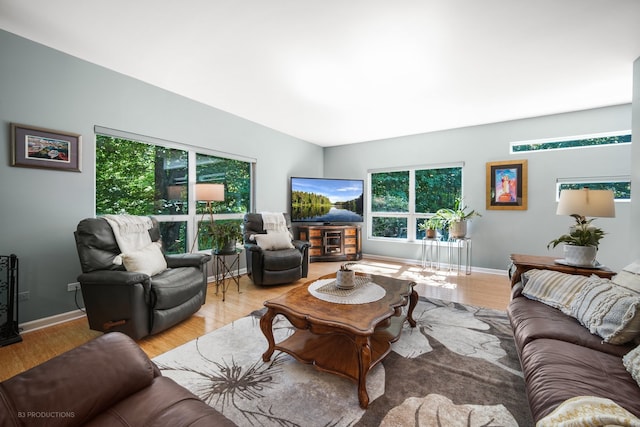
(273, 267)
(133, 303)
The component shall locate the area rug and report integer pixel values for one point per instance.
(458, 367)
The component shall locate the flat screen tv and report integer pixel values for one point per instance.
(327, 200)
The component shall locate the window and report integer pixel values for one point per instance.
(613, 138)
(146, 178)
(402, 199)
(621, 186)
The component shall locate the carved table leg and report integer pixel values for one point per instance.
(413, 301)
(266, 324)
(363, 345)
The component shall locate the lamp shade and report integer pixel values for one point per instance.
(210, 192)
(586, 202)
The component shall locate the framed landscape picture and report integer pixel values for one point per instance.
(35, 147)
(507, 185)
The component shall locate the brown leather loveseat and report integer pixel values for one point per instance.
(108, 381)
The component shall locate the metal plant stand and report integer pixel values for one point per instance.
(9, 331)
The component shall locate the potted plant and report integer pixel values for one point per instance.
(456, 218)
(224, 236)
(431, 226)
(345, 277)
(581, 243)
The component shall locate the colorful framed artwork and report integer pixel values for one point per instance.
(507, 185)
(34, 147)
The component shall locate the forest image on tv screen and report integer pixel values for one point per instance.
(326, 200)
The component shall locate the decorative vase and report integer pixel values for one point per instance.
(580, 255)
(458, 229)
(345, 279)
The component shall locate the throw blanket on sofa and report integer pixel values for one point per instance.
(131, 232)
(274, 221)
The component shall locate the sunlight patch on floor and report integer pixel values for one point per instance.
(370, 266)
(407, 272)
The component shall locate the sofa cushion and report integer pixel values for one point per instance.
(556, 371)
(531, 320)
(553, 288)
(609, 310)
(148, 260)
(631, 361)
(282, 260)
(175, 286)
(629, 277)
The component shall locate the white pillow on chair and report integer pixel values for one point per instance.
(148, 260)
(274, 240)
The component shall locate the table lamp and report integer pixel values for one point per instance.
(586, 202)
(581, 244)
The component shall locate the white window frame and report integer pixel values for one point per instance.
(569, 138)
(190, 219)
(412, 216)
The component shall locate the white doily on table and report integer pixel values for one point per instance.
(326, 290)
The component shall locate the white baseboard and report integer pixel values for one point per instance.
(45, 322)
(212, 279)
(442, 265)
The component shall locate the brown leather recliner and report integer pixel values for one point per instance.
(273, 267)
(130, 302)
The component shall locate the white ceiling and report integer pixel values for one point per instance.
(342, 71)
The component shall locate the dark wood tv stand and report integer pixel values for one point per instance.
(332, 242)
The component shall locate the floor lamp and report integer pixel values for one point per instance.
(207, 193)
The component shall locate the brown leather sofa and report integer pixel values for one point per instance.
(561, 359)
(108, 381)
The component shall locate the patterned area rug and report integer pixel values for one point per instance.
(458, 367)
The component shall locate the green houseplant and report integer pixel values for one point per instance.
(581, 243)
(456, 218)
(224, 236)
(431, 226)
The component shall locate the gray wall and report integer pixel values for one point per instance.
(498, 233)
(635, 161)
(41, 208)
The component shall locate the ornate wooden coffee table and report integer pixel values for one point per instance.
(344, 339)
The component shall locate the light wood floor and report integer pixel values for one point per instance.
(480, 289)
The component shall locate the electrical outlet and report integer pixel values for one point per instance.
(72, 287)
(23, 296)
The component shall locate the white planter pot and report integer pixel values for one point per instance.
(345, 279)
(580, 255)
(458, 229)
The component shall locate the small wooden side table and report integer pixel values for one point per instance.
(522, 263)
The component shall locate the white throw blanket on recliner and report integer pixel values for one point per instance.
(131, 232)
(274, 221)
